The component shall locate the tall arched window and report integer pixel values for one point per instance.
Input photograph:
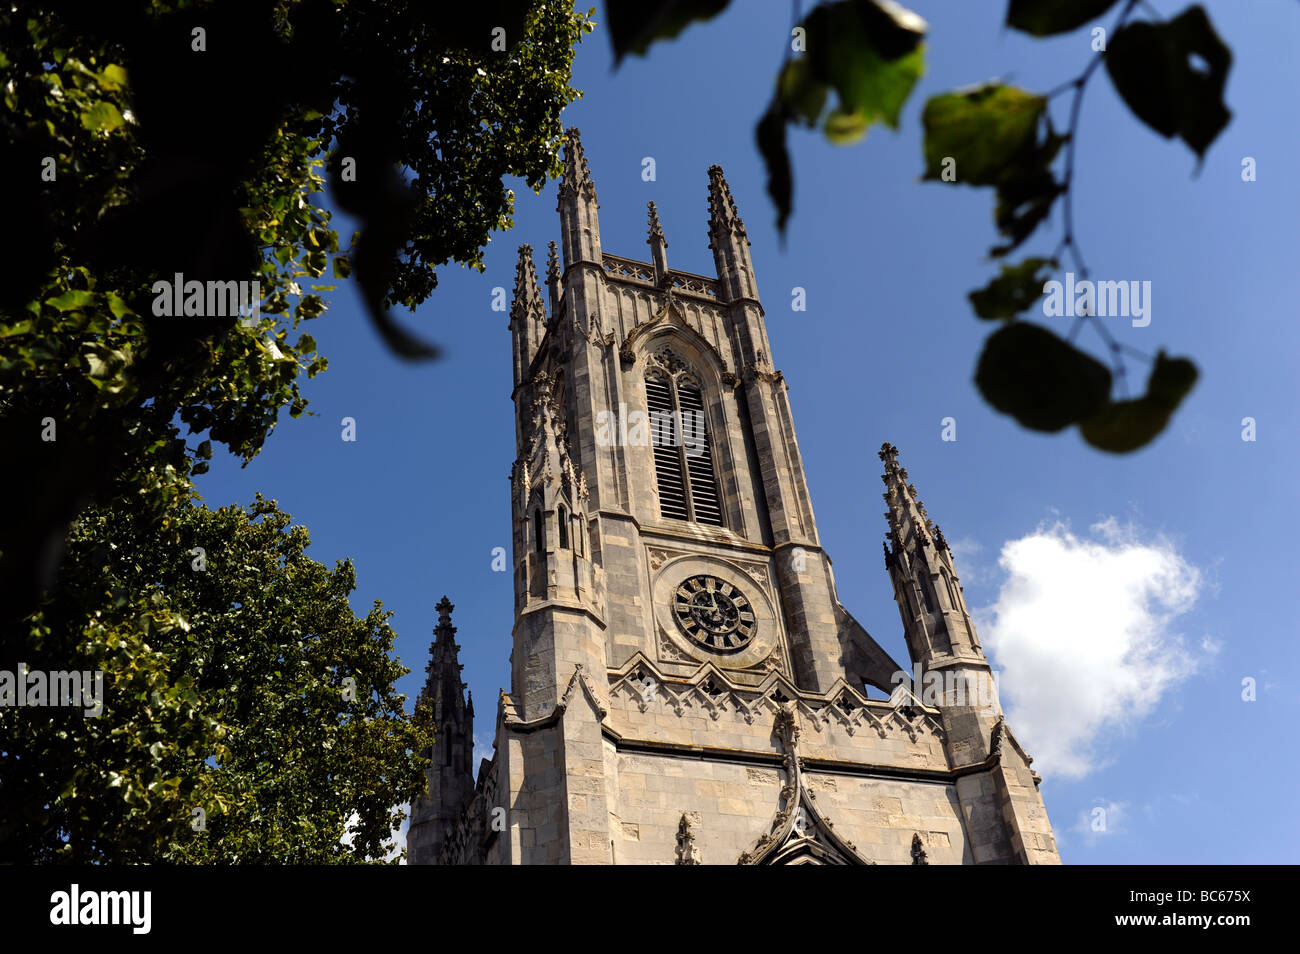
(538, 543)
(564, 527)
(688, 487)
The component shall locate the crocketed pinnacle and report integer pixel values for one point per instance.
(656, 229)
(906, 511)
(576, 178)
(528, 297)
(723, 217)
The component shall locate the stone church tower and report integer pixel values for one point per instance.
(686, 687)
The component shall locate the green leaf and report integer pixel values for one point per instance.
(1014, 290)
(989, 131)
(770, 136)
(314, 263)
(634, 26)
(342, 266)
(1152, 67)
(72, 299)
(804, 96)
(117, 306)
(1025, 202)
(113, 77)
(103, 117)
(990, 135)
(1047, 17)
(1043, 382)
(204, 450)
(870, 54)
(1123, 426)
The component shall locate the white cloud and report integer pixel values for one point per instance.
(1083, 630)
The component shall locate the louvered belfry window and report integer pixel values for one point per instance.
(683, 455)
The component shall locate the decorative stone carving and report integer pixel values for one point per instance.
(687, 853)
(658, 557)
(799, 834)
(669, 651)
(918, 852)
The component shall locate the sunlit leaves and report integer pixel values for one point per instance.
(1000, 136)
(1172, 76)
(869, 54)
(222, 691)
(989, 131)
(102, 117)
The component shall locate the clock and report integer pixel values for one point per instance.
(714, 613)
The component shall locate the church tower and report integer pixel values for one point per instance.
(686, 686)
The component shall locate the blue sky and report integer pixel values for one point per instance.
(1125, 598)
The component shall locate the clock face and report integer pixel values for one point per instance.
(714, 613)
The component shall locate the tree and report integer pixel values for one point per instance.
(869, 55)
(248, 714)
(144, 140)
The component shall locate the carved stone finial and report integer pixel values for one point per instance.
(687, 853)
(444, 608)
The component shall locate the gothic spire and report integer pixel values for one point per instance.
(723, 217)
(906, 511)
(442, 704)
(576, 178)
(444, 692)
(527, 313)
(730, 242)
(920, 563)
(579, 219)
(658, 246)
(527, 296)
